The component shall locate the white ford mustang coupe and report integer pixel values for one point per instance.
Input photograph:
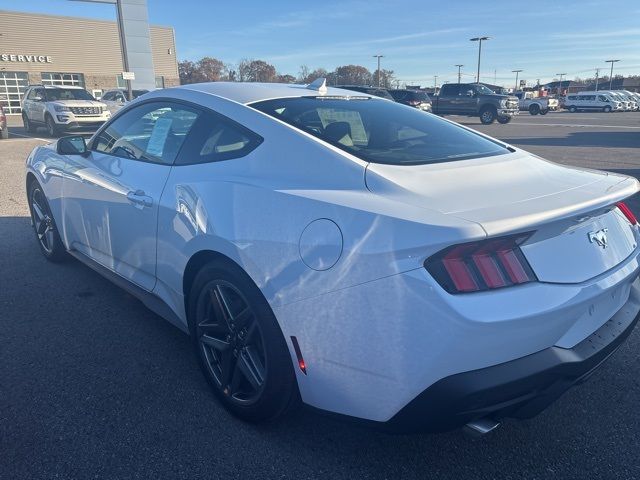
(357, 255)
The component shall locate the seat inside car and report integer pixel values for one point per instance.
(339, 132)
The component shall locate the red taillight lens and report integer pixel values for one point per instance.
(478, 266)
(627, 213)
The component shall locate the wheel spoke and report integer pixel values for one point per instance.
(215, 343)
(242, 319)
(236, 380)
(251, 366)
(38, 211)
(219, 301)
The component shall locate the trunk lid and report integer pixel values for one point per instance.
(519, 192)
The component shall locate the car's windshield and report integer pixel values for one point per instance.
(484, 90)
(53, 94)
(379, 131)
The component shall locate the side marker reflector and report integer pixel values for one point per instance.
(301, 365)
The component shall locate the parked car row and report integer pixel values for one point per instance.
(603, 101)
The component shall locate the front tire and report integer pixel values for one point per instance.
(573, 109)
(534, 109)
(607, 109)
(504, 120)
(52, 128)
(28, 126)
(544, 111)
(240, 347)
(44, 225)
(488, 115)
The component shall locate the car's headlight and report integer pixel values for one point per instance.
(503, 103)
(61, 108)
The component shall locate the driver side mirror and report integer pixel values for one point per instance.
(72, 145)
(470, 93)
(37, 98)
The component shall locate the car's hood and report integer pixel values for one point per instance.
(79, 103)
(502, 193)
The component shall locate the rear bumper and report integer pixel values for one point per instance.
(521, 388)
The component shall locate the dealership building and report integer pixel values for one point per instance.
(57, 50)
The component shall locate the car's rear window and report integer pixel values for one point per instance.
(419, 96)
(379, 131)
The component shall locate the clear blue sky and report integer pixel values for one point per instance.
(419, 40)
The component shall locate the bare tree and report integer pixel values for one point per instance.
(256, 71)
(350, 75)
(313, 75)
(286, 78)
(387, 78)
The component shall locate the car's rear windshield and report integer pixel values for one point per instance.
(380, 131)
(54, 94)
(419, 96)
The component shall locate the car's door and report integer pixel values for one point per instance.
(38, 106)
(111, 196)
(448, 98)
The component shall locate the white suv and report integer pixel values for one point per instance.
(62, 109)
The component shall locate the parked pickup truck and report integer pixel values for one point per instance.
(536, 105)
(474, 99)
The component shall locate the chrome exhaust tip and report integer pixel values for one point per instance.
(480, 427)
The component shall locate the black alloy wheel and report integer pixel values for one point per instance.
(44, 225)
(231, 341)
(240, 347)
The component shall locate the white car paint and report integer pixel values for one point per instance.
(337, 246)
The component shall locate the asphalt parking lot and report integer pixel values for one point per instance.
(94, 385)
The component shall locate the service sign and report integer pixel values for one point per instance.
(11, 57)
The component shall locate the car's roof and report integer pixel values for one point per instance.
(248, 92)
(53, 87)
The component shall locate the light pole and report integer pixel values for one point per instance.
(516, 72)
(560, 87)
(435, 83)
(378, 57)
(479, 40)
(611, 75)
(459, 67)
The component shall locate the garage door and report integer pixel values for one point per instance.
(70, 79)
(12, 87)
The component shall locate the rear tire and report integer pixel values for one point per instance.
(534, 109)
(607, 109)
(240, 347)
(488, 115)
(573, 109)
(44, 225)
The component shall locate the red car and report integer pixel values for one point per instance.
(4, 131)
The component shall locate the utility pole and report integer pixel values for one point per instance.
(123, 47)
(435, 83)
(597, 75)
(516, 72)
(459, 67)
(479, 40)
(378, 57)
(611, 75)
(560, 87)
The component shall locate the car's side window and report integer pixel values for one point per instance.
(108, 96)
(215, 138)
(152, 132)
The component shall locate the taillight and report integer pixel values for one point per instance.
(626, 211)
(484, 265)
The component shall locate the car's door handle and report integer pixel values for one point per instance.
(140, 198)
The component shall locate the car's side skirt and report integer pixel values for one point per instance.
(150, 300)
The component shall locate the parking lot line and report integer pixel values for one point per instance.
(573, 125)
(29, 136)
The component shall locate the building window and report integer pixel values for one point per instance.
(70, 79)
(159, 81)
(121, 83)
(12, 87)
